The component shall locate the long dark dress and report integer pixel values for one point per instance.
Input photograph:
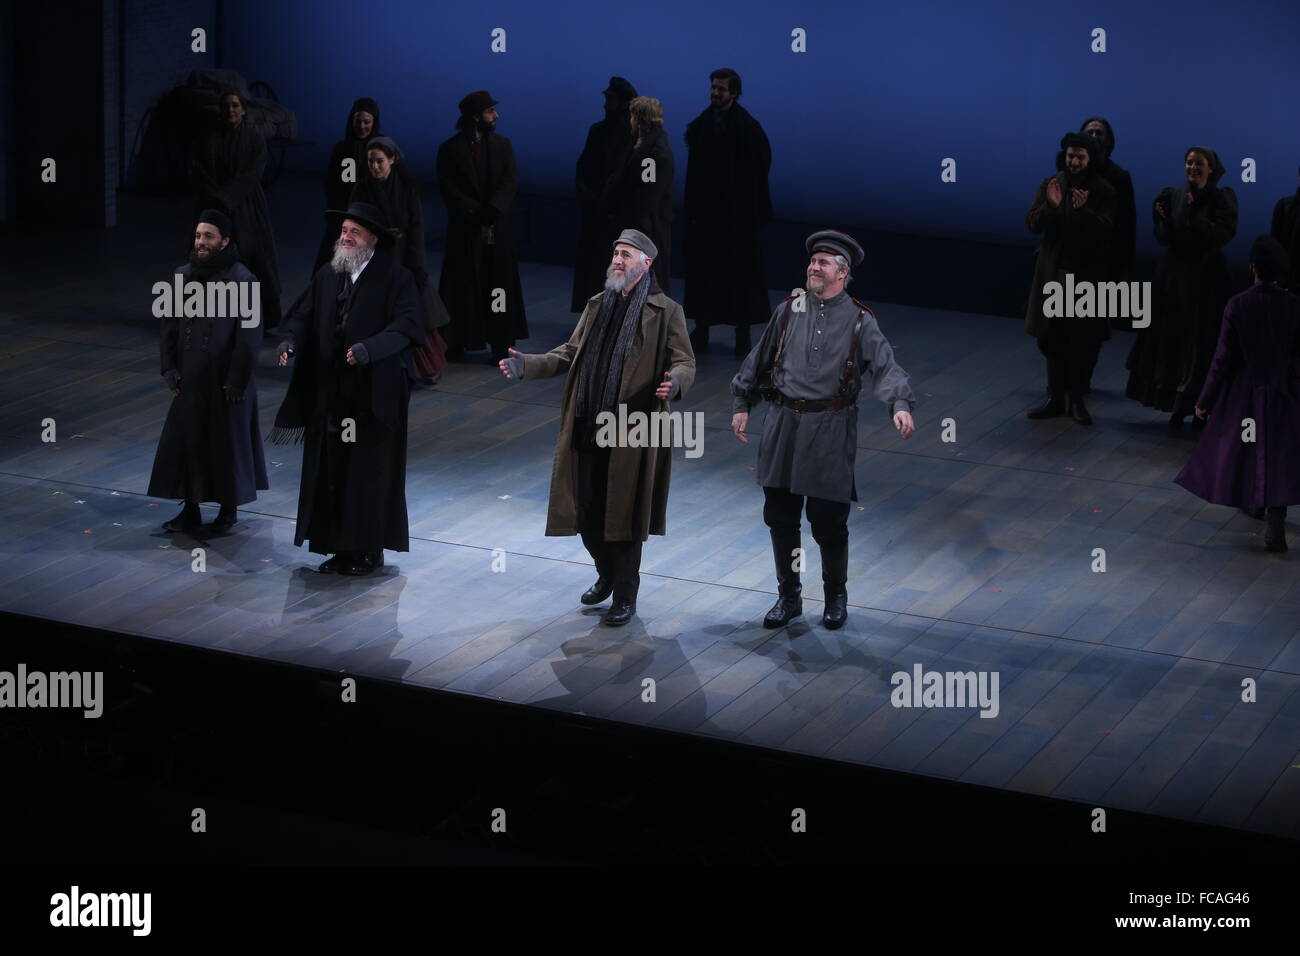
(727, 204)
(1255, 375)
(228, 176)
(634, 203)
(472, 177)
(353, 493)
(398, 197)
(210, 448)
(336, 190)
(604, 148)
(1169, 359)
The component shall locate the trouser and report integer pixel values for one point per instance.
(618, 562)
(1071, 351)
(830, 529)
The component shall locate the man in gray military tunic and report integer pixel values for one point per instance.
(809, 365)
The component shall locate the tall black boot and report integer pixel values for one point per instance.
(190, 517)
(789, 604)
(1055, 405)
(835, 579)
(1275, 531)
(1078, 410)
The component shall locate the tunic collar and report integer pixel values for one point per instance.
(833, 300)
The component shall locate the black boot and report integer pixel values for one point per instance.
(835, 578)
(1079, 411)
(1275, 530)
(225, 519)
(789, 604)
(1054, 407)
(190, 517)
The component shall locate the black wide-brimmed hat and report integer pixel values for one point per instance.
(369, 216)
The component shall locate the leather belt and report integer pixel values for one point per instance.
(814, 404)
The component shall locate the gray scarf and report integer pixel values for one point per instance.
(598, 388)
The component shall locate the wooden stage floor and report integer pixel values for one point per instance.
(1120, 689)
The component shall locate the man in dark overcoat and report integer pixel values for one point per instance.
(480, 273)
(347, 400)
(1285, 228)
(210, 448)
(629, 354)
(809, 364)
(727, 206)
(606, 141)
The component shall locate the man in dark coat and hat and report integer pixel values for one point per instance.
(606, 142)
(362, 124)
(347, 400)
(210, 448)
(228, 171)
(629, 356)
(1286, 230)
(809, 364)
(480, 274)
(639, 192)
(1169, 359)
(1249, 454)
(1074, 211)
(727, 206)
(1122, 251)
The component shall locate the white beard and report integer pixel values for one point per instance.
(349, 260)
(617, 283)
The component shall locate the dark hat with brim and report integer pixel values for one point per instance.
(621, 88)
(477, 102)
(837, 244)
(369, 216)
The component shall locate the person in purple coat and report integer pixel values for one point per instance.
(1249, 454)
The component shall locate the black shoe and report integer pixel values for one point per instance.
(597, 592)
(1054, 407)
(332, 565)
(620, 612)
(785, 610)
(187, 519)
(362, 564)
(225, 521)
(1079, 411)
(837, 610)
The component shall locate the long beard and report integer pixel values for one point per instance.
(348, 260)
(617, 283)
(217, 261)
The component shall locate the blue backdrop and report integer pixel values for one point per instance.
(859, 123)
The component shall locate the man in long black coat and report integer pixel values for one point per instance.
(606, 142)
(228, 177)
(348, 398)
(210, 449)
(1286, 230)
(1123, 237)
(727, 206)
(480, 274)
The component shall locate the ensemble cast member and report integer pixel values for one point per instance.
(1286, 230)
(727, 206)
(630, 348)
(476, 173)
(210, 449)
(1169, 358)
(606, 141)
(1123, 239)
(1255, 376)
(809, 364)
(362, 124)
(639, 194)
(348, 396)
(389, 186)
(228, 175)
(1074, 211)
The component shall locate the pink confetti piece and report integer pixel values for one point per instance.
(265, 560)
(87, 531)
(1069, 468)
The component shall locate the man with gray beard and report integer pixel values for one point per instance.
(630, 349)
(347, 400)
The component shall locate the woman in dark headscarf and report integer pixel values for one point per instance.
(389, 185)
(363, 123)
(1170, 358)
(1249, 456)
(228, 168)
